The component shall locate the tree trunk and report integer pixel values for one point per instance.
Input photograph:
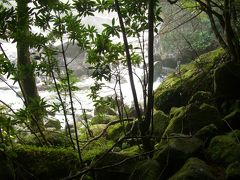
(129, 64)
(25, 67)
(231, 39)
(148, 117)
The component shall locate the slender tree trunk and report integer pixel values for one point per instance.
(129, 64)
(69, 90)
(25, 66)
(63, 106)
(148, 117)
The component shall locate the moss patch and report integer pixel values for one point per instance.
(96, 148)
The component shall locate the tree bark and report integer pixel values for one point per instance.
(24, 64)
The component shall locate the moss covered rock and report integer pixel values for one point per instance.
(192, 118)
(178, 88)
(194, 169)
(233, 171)
(146, 170)
(201, 97)
(160, 123)
(115, 131)
(172, 155)
(207, 133)
(44, 163)
(95, 149)
(225, 149)
(54, 138)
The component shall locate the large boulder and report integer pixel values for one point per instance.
(194, 169)
(173, 154)
(225, 149)
(179, 87)
(192, 118)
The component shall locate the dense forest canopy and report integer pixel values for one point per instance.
(139, 39)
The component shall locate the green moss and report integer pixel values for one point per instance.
(233, 171)
(177, 89)
(193, 169)
(225, 149)
(96, 148)
(45, 163)
(192, 118)
(115, 131)
(55, 138)
(202, 97)
(97, 129)
(131, 151)
(207, 133)
(176, 111)
(146, 170)
(103, 119)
